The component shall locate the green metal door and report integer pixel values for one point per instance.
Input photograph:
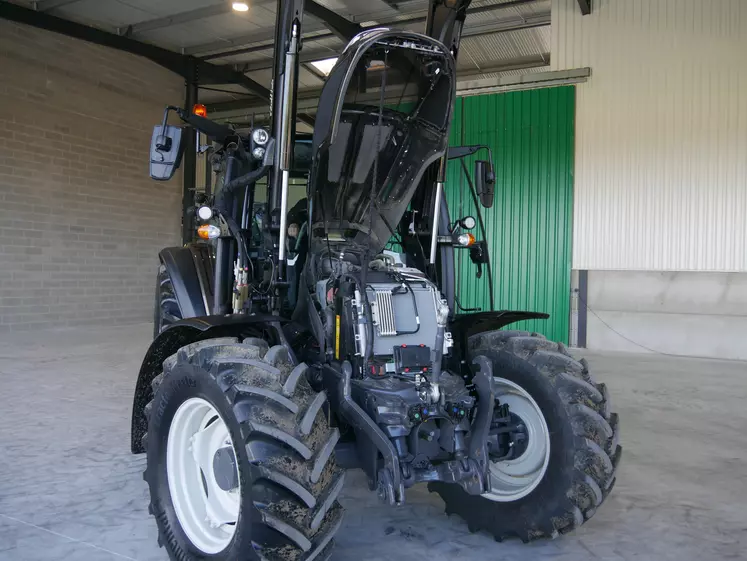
(529, 227)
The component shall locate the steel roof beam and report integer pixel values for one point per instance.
(46, 5)
(182, 17)
(180, 64)
(491, 28)
(269, 36)
(341, 27)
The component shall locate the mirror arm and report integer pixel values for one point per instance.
(483, 233)
(490, 159)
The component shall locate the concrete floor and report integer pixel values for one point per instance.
(69, 489)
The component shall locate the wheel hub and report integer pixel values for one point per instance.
(203, 476)
(508, 435)
(225, 470)
(519, 443)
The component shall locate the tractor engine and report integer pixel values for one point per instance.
(391, 327)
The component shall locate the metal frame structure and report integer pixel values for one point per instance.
(192, 69)
(199, 72)
(266, 40)
(183, 65)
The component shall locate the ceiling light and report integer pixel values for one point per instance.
(324, 66)
(241, 6)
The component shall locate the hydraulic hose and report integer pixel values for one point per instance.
(242, 180)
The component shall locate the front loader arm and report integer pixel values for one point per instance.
(445, 21)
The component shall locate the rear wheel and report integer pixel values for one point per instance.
(240, 456)
(565, 462)
(166, 310)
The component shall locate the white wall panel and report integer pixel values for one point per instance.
(661, 132)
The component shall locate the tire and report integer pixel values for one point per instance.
(583, 441)
(166, 309)
(283, 447)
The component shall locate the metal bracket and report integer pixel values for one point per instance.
(390, 486)
(465, 472)
(480, 429)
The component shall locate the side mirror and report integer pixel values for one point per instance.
(485, 182)
(165, 152)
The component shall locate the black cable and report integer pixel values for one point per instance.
(407, 83)
(243, 257)
(425, 260)
(482, 232)
(250, 177)
(367, 312)
(326, 236)
(233, 227)
(404, 281)
(628, 339)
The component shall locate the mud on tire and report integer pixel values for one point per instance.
(584, 449)
(166, 309)
(289, 482)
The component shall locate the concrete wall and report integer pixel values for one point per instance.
(80, 220)
(684, 313)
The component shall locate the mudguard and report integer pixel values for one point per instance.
(189, 331)
(463, 326)
(190, 270)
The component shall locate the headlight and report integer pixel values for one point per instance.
(468, 222)
(258, 152)
(205, 212)
(260, 136)
(208, 232)
(466, 239)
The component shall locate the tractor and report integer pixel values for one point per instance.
(281, 361)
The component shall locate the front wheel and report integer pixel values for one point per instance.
(564, 465)
(240, 457)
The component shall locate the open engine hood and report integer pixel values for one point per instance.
(409, 135)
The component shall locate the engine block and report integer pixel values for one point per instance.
(403, 314)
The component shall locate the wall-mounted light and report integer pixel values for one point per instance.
(241, 6)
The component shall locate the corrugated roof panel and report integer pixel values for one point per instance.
(211, 95)
(210, 29)
(263, 77)
(514, 11)
(307, 79)
(162, 8)
(503, 46)
(331, 46)
(259, 17)
(105, 14)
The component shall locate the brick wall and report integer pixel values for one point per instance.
(81, 221)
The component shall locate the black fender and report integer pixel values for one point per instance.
(190, 270)
(189, 331)
(463, 326)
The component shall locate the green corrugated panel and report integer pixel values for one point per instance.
(530, 225)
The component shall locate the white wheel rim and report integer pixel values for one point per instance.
(209, 517)
(513, 479)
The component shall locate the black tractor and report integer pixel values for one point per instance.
(251, 404)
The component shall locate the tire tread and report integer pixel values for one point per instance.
(595, 434)
(273, 401)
